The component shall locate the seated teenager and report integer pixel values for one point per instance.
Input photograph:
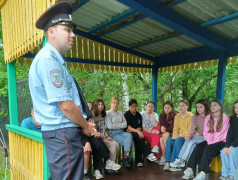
(182, 124)
(194, 137)
(116, 124)
(151, 129)
(216, 126)
(229, 154)
(30, 123)
(87, 154)
(99, 114)
(99, 151)
(134, 126)
(166, 120)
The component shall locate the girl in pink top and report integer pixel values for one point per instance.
(216, 126)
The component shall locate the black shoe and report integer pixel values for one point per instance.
(111, 172)
(116, 172)
(86, 177)
(126, 163)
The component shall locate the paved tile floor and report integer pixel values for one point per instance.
(152, 171)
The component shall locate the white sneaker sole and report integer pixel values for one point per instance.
(186, 177)
(101, 177)
(174, 166)
(175, 169)
(114, 169)
(161, 164)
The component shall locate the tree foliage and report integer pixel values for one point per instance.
(191, 85)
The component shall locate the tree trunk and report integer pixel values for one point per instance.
(205, 81)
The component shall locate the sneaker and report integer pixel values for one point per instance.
(162, 161)
(175, 169)
(155, 149)
(151, 157)
(200, 176)
(230, 178)
(111, 172)
(223, 178)
(86, 177)
(97, 174)
(178, 163)
(126, 163)
(187, 171)
(188, 174)
(157, 161)
(166, 166)
(140, 164)
(112, 165)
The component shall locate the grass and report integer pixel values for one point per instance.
(3, 165)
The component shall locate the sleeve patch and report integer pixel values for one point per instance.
(56, 78)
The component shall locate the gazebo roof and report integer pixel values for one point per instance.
(161, 32)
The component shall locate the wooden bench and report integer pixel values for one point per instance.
(216, 164)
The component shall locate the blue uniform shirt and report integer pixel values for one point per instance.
(29, 124)
(50, 83)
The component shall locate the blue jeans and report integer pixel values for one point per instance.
(189, 146)
(229, 162)
(124, 139)
(173, 147)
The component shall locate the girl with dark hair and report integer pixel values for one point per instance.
(166, 120)
(194, 136)
(99, 113)
(182, 124)
(216, 126)
(229, 154)
(99, 148)
(151, 129)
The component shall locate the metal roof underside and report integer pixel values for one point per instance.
(162, 30)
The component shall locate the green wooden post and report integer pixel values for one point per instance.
(12, 93)
(46, 171)
(44, 41)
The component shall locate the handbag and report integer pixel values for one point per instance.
(83, 101)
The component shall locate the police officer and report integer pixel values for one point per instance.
(57, 106)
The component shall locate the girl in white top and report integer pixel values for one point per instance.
(151, 129)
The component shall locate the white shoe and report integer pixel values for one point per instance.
(151, 157)
(162, 161)
(188, 174)
(178, 163)
(112, 165)
(140, 164)
(175, 169)
(155, 149)
(223, 178)
(97, 174)
(166, 166)
(200, 176)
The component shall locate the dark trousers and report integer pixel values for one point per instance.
(206, 153)
(99, 151)
(141, 148)
(64, 153)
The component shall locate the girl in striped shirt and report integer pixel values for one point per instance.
(194, 137)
